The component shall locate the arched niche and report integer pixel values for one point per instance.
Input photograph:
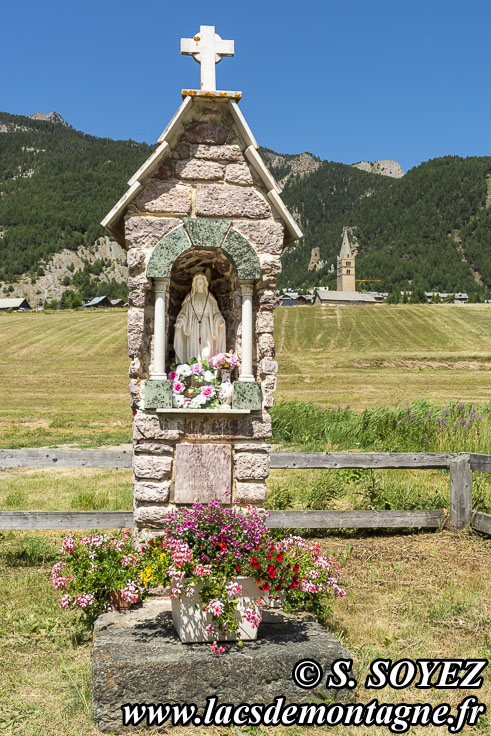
(198, 244)
(223, 283)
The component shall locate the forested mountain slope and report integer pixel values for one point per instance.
(430, 229)
(56, 184)
(424, 230)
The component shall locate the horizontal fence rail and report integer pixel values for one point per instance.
(481, 522)
(460, 466)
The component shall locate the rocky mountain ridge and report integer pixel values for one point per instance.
(431, 225)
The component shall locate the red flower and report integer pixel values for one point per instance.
(238, 568)
(222, 545)
(278, 587)
(279, 557)
(253, 561)
(266, 586)
(295, 569)
(270, 557)
(271, 571)
(258, 582)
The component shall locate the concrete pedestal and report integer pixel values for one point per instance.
(138, 658)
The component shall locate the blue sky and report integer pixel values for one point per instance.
(350, 80)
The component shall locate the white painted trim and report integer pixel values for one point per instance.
(282, 211)
(176, 118)
(260, 167)
(151, 163)
(119, 206)
(242, 125)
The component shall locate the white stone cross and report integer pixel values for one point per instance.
(207, 48)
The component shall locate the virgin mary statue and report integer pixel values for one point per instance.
(200, 328)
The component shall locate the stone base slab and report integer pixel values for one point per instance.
(138, 658)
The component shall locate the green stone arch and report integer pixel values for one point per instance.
(205, 234)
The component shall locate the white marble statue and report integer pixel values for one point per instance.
(200, 328)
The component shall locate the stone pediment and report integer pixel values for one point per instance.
(193, 126)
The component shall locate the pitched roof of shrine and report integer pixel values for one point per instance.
(113, 221)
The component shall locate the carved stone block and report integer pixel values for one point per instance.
(247, 395)
(158, 394)
(203, 473)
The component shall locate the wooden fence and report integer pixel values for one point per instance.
(460, 466)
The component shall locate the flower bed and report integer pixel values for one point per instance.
(202, 553)
(96, 572)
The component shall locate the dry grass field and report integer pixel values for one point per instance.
(371, 356)
(418, 595)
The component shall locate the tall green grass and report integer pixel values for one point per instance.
(415, 427)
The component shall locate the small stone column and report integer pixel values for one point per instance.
(247, 332)
(159, 335)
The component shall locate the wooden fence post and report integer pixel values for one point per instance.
(460, 492)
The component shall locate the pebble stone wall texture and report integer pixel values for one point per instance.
(205, 176)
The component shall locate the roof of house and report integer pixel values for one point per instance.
(344, 296)
(112, 221)
(13, 303)
(117, 302)
(97, 300)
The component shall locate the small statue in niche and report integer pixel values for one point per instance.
(200, 328)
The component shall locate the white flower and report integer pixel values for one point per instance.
(178, 401)
(183, 370)
(197, 401)
(208, 376)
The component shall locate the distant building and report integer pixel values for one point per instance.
(346, 265)
(19, 304)
(99, 301)
(327, 296)
(117, 302)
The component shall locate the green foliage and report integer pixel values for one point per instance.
(412, 232)
(417, 427)
(75, 181)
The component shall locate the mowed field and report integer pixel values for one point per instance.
(65, 374)
(374, 356)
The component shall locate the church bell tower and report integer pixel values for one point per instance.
(346, 265)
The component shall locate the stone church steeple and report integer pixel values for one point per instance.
(346, 265)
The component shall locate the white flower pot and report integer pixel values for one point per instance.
(190, 620)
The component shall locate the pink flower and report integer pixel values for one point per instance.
(210, 630)
(173, 375)
(208, 391)
(129, 560)
(197, 368)
(202, 570)
(178, 387)
(83, 600)
(64, 602)
(130, 592)
(68, 545)
(253, 616)
(215, 607)
(216, 649)
(234, 589)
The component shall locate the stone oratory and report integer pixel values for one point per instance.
(205, 204)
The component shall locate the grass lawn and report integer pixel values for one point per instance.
(408, 595)
(66, 373)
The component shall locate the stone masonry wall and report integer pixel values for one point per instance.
(206, 175)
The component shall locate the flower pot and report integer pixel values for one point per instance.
(190, 620)
(118, 602)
